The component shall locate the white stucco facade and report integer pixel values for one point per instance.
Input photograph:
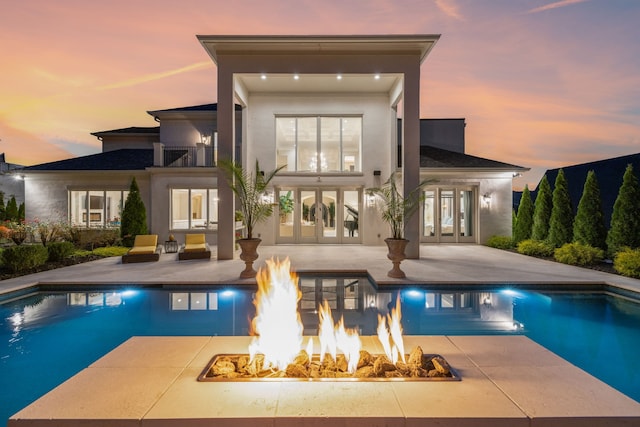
(265, 79)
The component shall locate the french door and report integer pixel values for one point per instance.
(318, 215)
(449, 215)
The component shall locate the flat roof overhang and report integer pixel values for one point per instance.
(418, 44)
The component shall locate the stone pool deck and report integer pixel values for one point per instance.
(506, 381)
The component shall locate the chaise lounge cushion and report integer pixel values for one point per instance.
(144, 249)
(144, 244)
(195, 243)
(195, 247)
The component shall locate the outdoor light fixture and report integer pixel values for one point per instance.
(263, 77)
(370, 199)
(486, 198)
(339, 77)
(205, 138)
(296, 77)
(377, 77)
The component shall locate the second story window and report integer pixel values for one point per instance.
(319, 144)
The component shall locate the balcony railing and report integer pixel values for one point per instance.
(190, 156)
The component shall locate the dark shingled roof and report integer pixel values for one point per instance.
(432, 157)
(130, 131)
(204, 107)
(124, 159)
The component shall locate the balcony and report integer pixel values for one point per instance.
(190, 156)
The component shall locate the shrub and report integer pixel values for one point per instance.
(627, 262)
(111, 251)
(58, 251)
(500, 242)
(24, 257)
(588, 227)
(561, 221)
(537, 248)
(578, 254)
(625, 218)
(524, 220)
(542, 211)
(134, 216)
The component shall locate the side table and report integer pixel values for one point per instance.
(171, 246)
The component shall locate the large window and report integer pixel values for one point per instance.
(319, 144)
(194, 208)
(96, 208)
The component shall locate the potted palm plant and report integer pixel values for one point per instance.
(395, 210)
(249, 188)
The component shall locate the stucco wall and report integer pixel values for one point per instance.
(112, 143)
(47, 193)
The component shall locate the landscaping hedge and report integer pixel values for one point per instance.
(58, 251)
(500, 242)
(627, 262)
(24, 257)
(537, 248)
(578, 254)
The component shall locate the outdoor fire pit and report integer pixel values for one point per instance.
(276, 351)
(418, 367)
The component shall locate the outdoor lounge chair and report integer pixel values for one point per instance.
(145, 248)
(195, 247)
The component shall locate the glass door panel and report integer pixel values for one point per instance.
(447, 213)
(466, 213)
(286, 206)
(308, 216)
(327, 205)
(428, 214)
(351, 215)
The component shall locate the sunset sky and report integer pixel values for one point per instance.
(541, 83)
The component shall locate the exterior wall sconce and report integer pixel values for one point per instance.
(268, 197)
(376, 173)
(370, 200)
(205, 138)
(486, 198)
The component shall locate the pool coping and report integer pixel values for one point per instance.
(506, 381)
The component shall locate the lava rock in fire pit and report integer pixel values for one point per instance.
(417, 366)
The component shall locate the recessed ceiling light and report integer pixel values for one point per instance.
(263, 77)
(377, 77)
(339, 77)
(296, 77)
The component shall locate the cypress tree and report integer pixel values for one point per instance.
(588, 227)
(134, 216)
(524, 220)
(21, 212)
(3, 214)
(542, 211)
(625, 219)
(11, 211)
(561, 221)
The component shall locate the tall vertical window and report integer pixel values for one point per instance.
(194, 208)
(319, 144)
(96, 208)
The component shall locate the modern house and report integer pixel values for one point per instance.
(341, 113)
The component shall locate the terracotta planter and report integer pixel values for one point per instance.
(396, 255)
(249, 253)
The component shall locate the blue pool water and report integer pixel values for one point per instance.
(48, 337)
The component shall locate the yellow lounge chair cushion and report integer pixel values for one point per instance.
(195, 247)
(144, 244)
(140, 250)
(190, 239)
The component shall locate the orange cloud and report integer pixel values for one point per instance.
(555, 5)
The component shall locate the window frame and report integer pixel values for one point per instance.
(211, 211)
(89, 214)
(343, 169)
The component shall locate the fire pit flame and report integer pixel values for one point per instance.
(278, 328)
(277, 325)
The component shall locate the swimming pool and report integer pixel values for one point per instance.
(49, 336)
